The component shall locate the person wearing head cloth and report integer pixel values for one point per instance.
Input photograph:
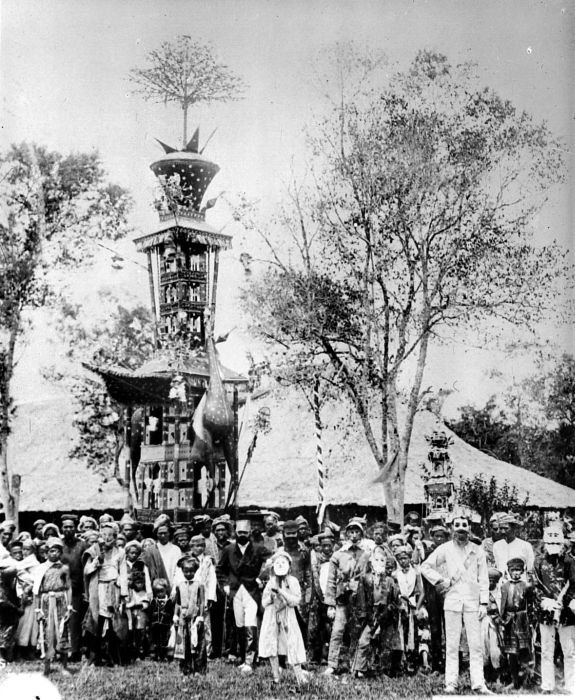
(459, 568)
(7, 529)
(365, 543)
(240, 566)
(203, 526)
(300, 568)
(206, 576)
(319, 625)
(347, 565)
(510, 546)
(280, 632)
(38, 525)
(220, 612)
(494, 536)
(554, 581)
(52, 591)
(106, 577)
(516, 602)
(412, 598)
(105, 518)
(303, 530)
(162, 558)
(181, 538)
(73, 549)
(128, 527)
(377, 611)
(50, 530)
(272, 537)
(491, 629)
(133, 552)
(87, 524)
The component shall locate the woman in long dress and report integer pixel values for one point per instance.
(280, 633)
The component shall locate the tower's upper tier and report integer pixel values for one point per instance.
(186, 174)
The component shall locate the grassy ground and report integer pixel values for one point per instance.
(150, 680)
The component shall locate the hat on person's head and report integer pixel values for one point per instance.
(110, 526)
(270, 514)
(494, 574)
(300, 520)
(54, 542)
(326, 535)
(162, 519)
(281, 552)
(86, 522)
(396, 538)
(69, 516)
(438, 528)
(357, 522)
(496, 518)
(38, 523)
(105, 518)
(133, 544)
(224, 520)
(181, 530)
(202, 518)
(198, 539)
(243, 526)
(50, 526)
(516, 562)
(187, 558)
(290, 527)
(24, 535)
(7, 526)
(314, 540)
(412, 517)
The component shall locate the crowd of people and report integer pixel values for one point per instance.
(388, 599)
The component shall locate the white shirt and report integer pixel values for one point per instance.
(503, 551)
(170, 554)
(466, 569)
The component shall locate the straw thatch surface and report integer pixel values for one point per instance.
(283, 472)
(38, 450)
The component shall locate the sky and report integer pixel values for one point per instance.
(64, 84)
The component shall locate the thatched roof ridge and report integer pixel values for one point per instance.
(38, 450)
(283, 472)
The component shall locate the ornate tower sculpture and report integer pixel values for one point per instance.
(182, 404)
(438, 476)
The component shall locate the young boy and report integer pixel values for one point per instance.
(137, 610)
(491, 629)
(160, 616)
(206, 575)
(516, 596)
(189, 618)
(412, 597)
(53, 597)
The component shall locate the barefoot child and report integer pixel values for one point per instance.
(280, 633)
(53, 596)
(160, 615)
(189, 618)
(515, 600)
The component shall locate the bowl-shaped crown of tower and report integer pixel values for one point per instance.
(186, 174)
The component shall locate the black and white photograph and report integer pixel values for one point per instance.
(287, 359)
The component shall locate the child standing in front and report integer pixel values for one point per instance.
(160, 618)
(515, 600)
(53, 602)
(189, 618)
(280, 633)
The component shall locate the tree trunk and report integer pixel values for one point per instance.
(393, 489)
(185, 125)
(6, 495)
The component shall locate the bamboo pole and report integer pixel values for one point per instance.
(153, 297)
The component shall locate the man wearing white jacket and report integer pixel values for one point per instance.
(459, 569)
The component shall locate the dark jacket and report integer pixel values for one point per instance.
(237, 569)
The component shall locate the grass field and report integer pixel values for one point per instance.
(150, 680)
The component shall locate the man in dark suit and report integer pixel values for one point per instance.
(240, 565)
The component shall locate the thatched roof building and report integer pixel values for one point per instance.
(283, 471)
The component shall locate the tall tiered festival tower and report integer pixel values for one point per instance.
(182, 405)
